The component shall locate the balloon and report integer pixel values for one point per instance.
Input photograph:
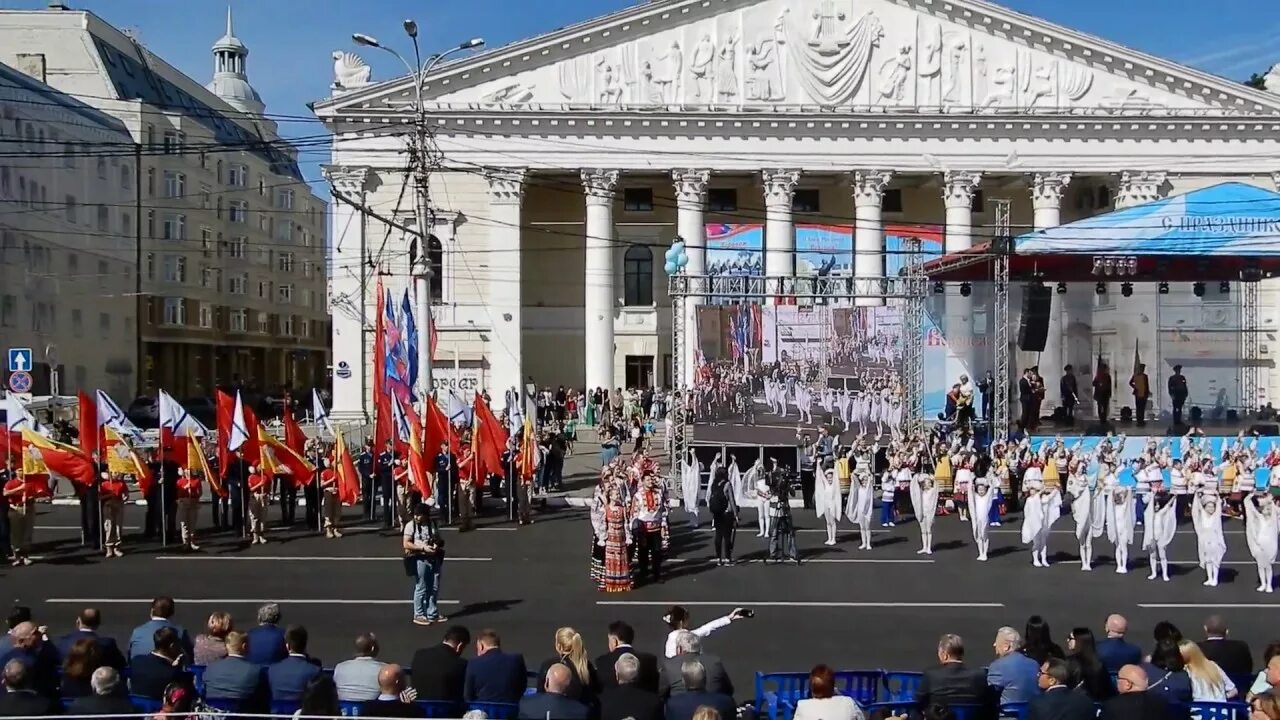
(670, 267)
(683, 259)
(672, 252)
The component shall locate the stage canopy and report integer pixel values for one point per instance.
(1216, 233)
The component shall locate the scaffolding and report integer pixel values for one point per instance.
(1001, 346)
(1250, 391)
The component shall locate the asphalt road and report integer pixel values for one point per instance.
(883, 608)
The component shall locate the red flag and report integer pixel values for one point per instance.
(89, 427)
(12, 445)
(383, 427)
(278, 457)
(489, 440)
(226, 408)
(252, 447)
(438, 432)
(417, 453)
(196, 462)
(293, 435)
(345, 468)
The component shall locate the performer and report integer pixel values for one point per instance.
(1206, 513)
(330, 507)
(258, 487)
(1260, 528)
(1120, 524)
(22, 518)
(724, 515)
(188, 505)
(862, 495)
(888, 491)
(1089, 523)
(763, 495)
(615, 539)
(649, 508)
(466, 488)
(690, 481)
(826, 500)
(979, 507)
(1041, 509)
(1159, 524)
(113, 492)
(924, 504)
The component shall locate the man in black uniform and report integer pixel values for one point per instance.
(386, 485)
(446, 479)
(234, 481)
(91, 510)
(364, 465)
(311, 492)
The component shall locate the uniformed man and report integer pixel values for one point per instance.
(288, 490)
(466, 491)
(90, 513)
(446, 479)
(331, 507)
(364, 466)
(234, 479)
(259, 487)
(219, 504)
(386, 484)
(311, 493)
(22, 518)
(113, 491)
(189, 490)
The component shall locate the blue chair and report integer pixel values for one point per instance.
(197, 676)
(285, 707)
(66, 702)
(146, 704)
(788, 686)
(901, 687)
(226, 705)
(1243, 682)
(1219, 711)
(438, 708)
(861, 685)
(496, 710)
(1013, 710)
(349, 708)
(966, 712)
(890, 708)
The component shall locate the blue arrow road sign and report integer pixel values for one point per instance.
(19, 360)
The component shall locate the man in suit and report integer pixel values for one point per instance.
(1058, 701)
(389, 704)
(551, 702)
(21, 698)
(1114, 651)
(689, 647)
(140, 641)
(952, 682)
(494, 676)
(624, 698)
(693, 676)
(108, 697)
(1013, 675)
(621, 637)
(438, 672)
(238, 679)
(1133, 701)
(289, 677)
(357, 678)
(266, 641)
(151, 673)
(1233, 656)
(39, 656)
(87, 623)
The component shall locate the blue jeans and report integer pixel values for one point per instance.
(426, 590)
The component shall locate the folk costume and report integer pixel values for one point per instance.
(1160, 521)
(1260, 529)
(1206, 514)
(827, 501)
(980, 501)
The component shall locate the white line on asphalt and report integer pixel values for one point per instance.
(479, 529)
(310, 558)
(848, 561)
(818, 604)
(1003, 531)
(1209, 606)
(77, 527)
(240, 601)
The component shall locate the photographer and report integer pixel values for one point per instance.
(782, 533)
(678, 620)
(424, 561)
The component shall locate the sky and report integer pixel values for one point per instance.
(291, 41)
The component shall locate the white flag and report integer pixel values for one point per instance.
(175, 418)
(320, 415)
(459, 410)
(239, 434)
(17, 417)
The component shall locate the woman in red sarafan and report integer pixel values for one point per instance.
(617, 539)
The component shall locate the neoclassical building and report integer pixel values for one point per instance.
(570, 161)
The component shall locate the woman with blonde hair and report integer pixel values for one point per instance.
(212, 644)
(584, 686)
(1208, 682)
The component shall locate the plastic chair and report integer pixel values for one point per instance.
(900, 687)
(438, 708)
(861, 685)
(787, 686)
(349, 708)
(285, 707)
(1219, 711)
(1014, 710)
(496, 710)
(146, 704)
(966, 712)
(197, 677)
(226, 705)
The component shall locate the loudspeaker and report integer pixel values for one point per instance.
(1033, 324)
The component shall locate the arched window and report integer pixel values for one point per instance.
(637, 271)
(435, 258)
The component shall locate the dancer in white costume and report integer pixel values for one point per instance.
(746, 490)
(1089, 522)
(862, 495)
(763, 494)
(1120, 518)
(1042, 509)
(1206, 512)
(735, 480)
(980, 500)
(1159, 522)
(826, 500)
(1260, 528)
(924, 503)
(690, 483)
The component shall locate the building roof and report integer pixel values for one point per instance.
(11, 77)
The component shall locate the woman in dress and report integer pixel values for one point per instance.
(826, 500)
(1260, 528)
(1120, 519)
(762, 496)
(1159, 523)
(979, 506)
(1082, 511)
(924, 504)
(690, 480)
(862, 495)
(616, 540)
(1206, 514)
(599, 507)
(1042, 509)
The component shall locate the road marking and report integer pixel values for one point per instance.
(817, 604)
(1003, 531)
(848, 561)
(240, 601)
(1209, 606)
(310, 558)
(77, 527)
(454, 529)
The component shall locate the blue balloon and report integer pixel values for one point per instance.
(683, 259)
(670, 267)
(672, 252)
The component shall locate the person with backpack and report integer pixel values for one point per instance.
(724, 514)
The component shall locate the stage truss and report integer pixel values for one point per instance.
(1250, 391)
(909, 288)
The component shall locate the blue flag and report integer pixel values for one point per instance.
(411, 343)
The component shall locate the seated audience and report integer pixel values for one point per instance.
(438, 672)
(952, 682)
(390, 703)
(235, 678)
(87, 623)
(624, 698)
(494, 675)
(20, 698)
(694, 694)
(108, 696)
(212, 644)
(552, 701)
(823, 703)
(81, 660)
(150, 674)
(357, 678)
(289, 677)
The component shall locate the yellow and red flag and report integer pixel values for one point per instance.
(61, 459)
(122, 459)
(345, 468)
(528, 453)
(417, 453)
(197, 462)
(280, 459)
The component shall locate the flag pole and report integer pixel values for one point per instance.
(163, 516)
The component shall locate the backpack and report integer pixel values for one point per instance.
(718, 501)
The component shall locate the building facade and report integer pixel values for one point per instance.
(231, 265)
(572, 160)
(68, 254)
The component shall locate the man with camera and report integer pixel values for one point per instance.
(782, 532)
(424, 561)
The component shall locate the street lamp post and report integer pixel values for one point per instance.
(421, 156)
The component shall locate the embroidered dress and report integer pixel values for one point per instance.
(617, 562)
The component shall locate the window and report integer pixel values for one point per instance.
(175, 311)
(722, 200)
(308, 297)
(151, 135)
(104, 219)
(286, 326)
(175, 184)
(151, 266)
(126, 224)
(126, 177)
(102, 168)
(172, 142)
(979, 202)
(435, 258)
(238, 211)
(71, 208)
(284, 294)
(151, 182)
(639, 371)
(237, 320)
(175, 269)
(206, 315)
(805, 200)
(219, 173)
(637, 272)
(304, 328)
(262, 187)
(284, 231)
(637, 199)
(206, 241)
(73, 264)
(206, 196)
(208, 278)
(236, 284)
(284, 262)
(151, 223)
(892, 200)
(264, 323)
(77, 322)
(284, 200)
(236, 249)
(104, 325)
(6, 182)
(264, 289)
(69, 155)
(103, 271)
(238, 176)
(175, 227)
(309, 268)
(218, 213)
(8, 311)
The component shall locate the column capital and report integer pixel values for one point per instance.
(1275, 179)
(691, 188)
(1140, 186)
(346, 179)
(779, 186)
(1047, 189)
(599, 185)
(868, 187)
(506, 186)
(958, 187)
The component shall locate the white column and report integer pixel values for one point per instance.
(868, 229)
(351, 346)
(505, 349)
(599, 300)
(779, 233)
(691, 200)
(1046, 202)
(958, 188)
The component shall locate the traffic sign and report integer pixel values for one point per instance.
(20, 360)
(20, 381)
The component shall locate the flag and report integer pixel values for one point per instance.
(35, 476)
(61, 459)
(278, 458)
(417, 454)
(1137, 358)
(239, 433)
(176, 422)
(88, 424)
(459, 410)
(229, 409)
(382, 429)
(296, 440)
(196, 462)
(411, 345)
(18, 418)
(123, 459)
(488, 440)
(528, 453)
(109, 413)
(226, 408)
(345, 469)
(319, 415)
(437, 432)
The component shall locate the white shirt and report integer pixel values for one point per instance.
(838, 707)
(701, 632)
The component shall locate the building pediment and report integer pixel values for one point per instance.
(894, 56)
